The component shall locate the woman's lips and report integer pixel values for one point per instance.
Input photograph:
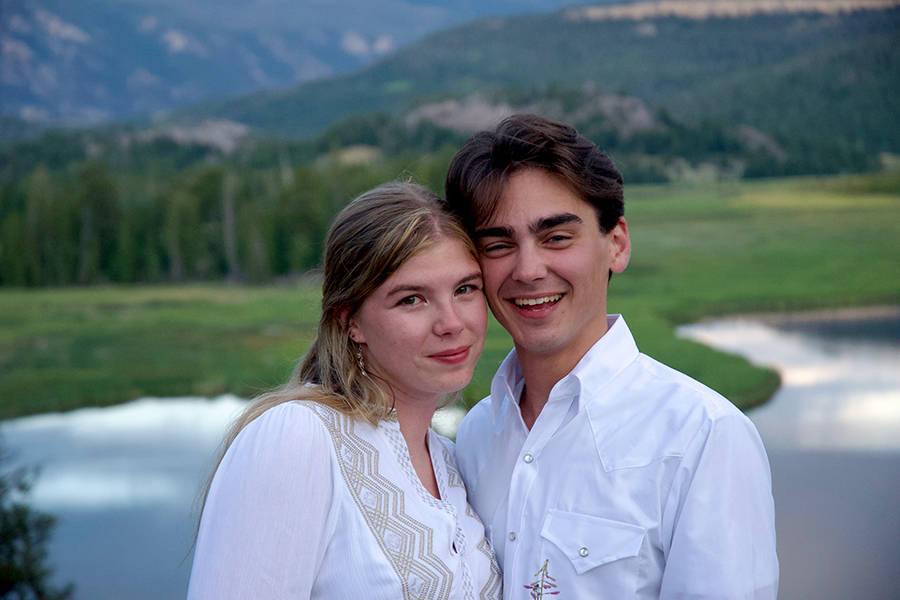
(452, 356)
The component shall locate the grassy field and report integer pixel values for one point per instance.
(698, 251)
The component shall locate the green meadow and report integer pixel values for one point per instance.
(699, 251)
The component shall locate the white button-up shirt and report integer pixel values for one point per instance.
(634, 482)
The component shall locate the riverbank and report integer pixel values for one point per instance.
(698, 251)
(843, 314)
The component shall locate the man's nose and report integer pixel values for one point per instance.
(529, 265)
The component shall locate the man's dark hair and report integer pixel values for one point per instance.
(480, 171)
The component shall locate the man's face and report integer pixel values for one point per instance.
(546, 266)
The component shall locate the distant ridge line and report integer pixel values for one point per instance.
(705, 9)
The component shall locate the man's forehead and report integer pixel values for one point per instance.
(512, 211)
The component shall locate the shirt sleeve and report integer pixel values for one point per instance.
(722, 518)
(267, 519)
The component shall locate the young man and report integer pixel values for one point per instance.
(598, 472)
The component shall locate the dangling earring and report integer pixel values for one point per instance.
(359, 360)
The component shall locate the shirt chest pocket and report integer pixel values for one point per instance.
(588, 541)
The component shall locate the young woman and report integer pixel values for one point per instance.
(334, 485)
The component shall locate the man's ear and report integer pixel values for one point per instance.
(618, 246)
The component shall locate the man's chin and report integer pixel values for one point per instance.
(537, 344)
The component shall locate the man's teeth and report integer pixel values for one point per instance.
(536, 301)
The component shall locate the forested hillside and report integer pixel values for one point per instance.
(800, 77)
(243, 189)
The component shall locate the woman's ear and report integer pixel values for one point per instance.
(353, 329)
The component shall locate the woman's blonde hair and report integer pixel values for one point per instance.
(367, 242)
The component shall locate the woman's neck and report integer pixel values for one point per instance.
(415, 420)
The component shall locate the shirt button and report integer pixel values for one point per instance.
(512, 536)
(584, 552)
(528, 458)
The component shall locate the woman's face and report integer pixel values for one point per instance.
(423, 329)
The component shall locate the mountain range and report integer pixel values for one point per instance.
(816, 69)
(86, 62)
(806, 77)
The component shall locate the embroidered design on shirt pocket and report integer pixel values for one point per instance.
(589, 541)
(542, 586)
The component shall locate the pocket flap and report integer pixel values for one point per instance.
(589, 541)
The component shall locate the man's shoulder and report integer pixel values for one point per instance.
(650, 411)
(663, 389)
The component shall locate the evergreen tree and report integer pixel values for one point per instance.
(24, 533)
(98, 204)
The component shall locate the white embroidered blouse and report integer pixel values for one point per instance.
(309, 503)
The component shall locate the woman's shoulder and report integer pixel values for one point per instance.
(306, 414)
(285, 440)
(297, 412)
(289, 424)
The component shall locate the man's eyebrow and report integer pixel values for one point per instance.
(554, 221)
(536, 228)
(499, 232)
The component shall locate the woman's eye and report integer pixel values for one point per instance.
(409, 301)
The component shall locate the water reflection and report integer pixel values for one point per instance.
(832, 432)
(145, 453)
(122, 481)
(836, 393)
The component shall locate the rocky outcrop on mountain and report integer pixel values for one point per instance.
(706, 9)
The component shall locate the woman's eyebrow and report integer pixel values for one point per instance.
(472, 277)
(411, 287)
(406, 288)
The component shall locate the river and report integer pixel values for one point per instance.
(122, 479)
(832, 432)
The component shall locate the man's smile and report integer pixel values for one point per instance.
(537, 302)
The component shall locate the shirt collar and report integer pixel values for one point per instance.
(606, 358)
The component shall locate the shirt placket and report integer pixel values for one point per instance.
(527, 497)
(456, 535)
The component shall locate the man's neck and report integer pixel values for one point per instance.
(542, 371)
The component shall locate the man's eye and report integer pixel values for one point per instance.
(495, 247)
(467, 289)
